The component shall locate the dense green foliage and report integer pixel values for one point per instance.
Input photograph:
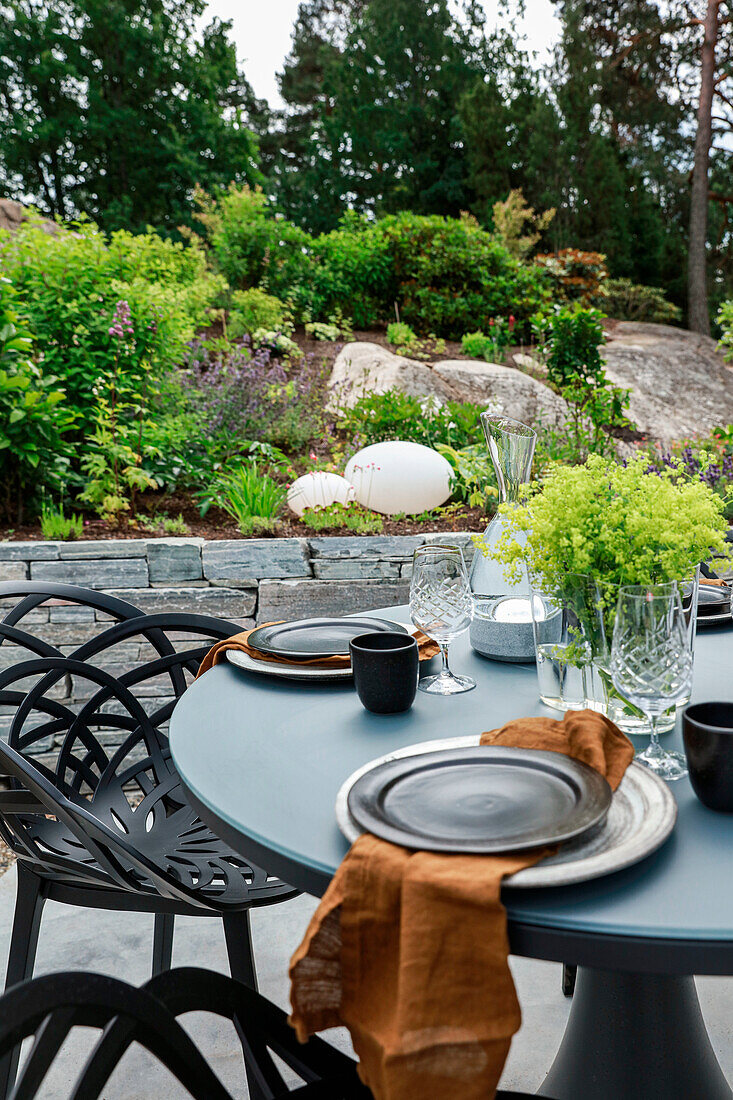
(725, 320)
(117, 108)
(627, 301)
(397, 415)
(571, 347)
(33, 417)
(615, 105)
(444, 275)
(70, 284)
(615, 523)
(252, 310)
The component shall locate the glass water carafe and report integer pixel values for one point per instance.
(502, 623)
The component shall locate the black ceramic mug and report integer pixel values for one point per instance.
(707, 730)
(385, 669)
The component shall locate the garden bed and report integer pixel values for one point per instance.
(218, 525)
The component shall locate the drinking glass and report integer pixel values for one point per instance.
(651, 662)
(442, 607)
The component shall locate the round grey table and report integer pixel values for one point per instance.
(262, 760)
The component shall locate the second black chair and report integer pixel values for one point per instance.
(48, 1009)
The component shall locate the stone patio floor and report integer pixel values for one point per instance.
(120, 945)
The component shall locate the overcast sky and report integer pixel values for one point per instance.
(262, 34)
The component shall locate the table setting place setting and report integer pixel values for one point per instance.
(409, 947)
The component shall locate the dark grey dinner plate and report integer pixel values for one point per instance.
(309, 639)
(479, 800)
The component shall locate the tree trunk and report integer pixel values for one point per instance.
(697, 294)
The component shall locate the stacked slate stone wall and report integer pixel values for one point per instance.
(244, 580)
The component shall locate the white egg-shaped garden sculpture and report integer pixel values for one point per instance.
(397, 476)
(319, 490)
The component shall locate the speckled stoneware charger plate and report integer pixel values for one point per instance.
(296, 671)
(641, 816)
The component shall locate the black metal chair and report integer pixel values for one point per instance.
(108, 826)
(50, 1008)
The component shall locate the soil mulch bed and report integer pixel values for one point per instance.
(218, 525)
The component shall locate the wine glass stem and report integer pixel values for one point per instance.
(445, 670)
(654, 745)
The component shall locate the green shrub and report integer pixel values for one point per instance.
(447, 275)
(56, 525)
(322, 330)
(34, 418)
(474, 478)
(401, 335)
(725, 320)
(478, 346)
(252, 498)
(277, 343)
(351, 273)
(571, 346)
(251, 246)
(71, 282)
(451, 276)
(397, 415)
(253, 309)
(627, 301)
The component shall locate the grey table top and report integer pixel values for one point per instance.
(265, 758)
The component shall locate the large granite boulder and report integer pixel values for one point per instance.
(680, 385)
(505, 389)
(362, 368)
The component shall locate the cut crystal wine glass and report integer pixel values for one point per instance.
(651, 662)
(442, 607)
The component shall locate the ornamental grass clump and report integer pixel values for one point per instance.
(619, 524)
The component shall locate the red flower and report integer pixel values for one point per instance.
(512, 321)
(491, 322)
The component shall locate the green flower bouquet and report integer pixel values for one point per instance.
(615, 524)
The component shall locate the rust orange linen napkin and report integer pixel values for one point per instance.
(409, 950)
(427, 648)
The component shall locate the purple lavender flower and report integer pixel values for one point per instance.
(122, 325)
(250, 394)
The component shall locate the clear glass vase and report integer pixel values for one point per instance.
(502, 623)
(569, 637)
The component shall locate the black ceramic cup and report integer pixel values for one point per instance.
(707, 730)
(385, 671)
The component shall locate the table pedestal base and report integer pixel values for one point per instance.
(635, 1037)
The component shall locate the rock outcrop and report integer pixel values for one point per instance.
(680, 385)
(362, 368)
(505, 389)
